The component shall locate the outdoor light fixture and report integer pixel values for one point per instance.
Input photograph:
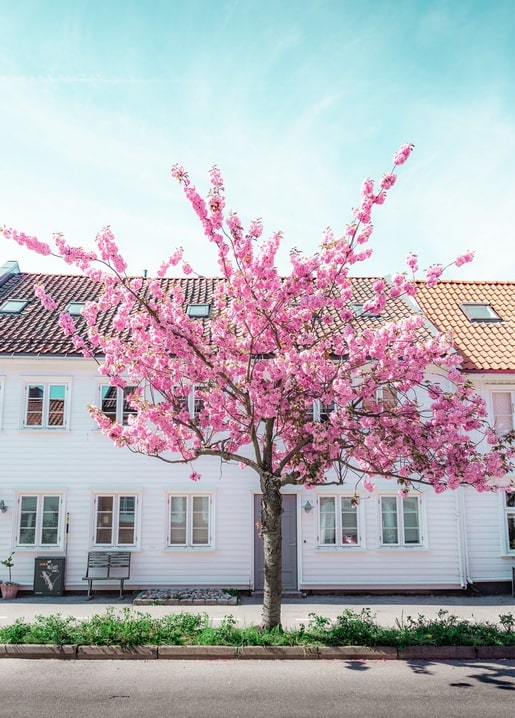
(307, 507)
(3, 507)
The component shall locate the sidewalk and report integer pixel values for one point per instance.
(387, 609)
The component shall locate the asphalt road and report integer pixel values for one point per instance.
(247, 689)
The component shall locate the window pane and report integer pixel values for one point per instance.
(50, 523)
(389, 398)
(127, 408)
(56, 406)
(126, 519)
(349, 522)
(178, 520)
(35, 406)
(503, 413)
(108, 401)
(511, 531)
(200, 521)
(389, 520)
(327, 520)
(411, 520)
(104, 519)
(28, 515)
(510, 500)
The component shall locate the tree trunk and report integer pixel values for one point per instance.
(271, 510)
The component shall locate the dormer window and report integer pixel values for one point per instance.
(198, 311)
(360, 312)
(75, 308)
(13, 306)
(478, 312)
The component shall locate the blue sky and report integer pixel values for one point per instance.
(296, 101)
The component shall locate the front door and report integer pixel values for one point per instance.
(289, 544)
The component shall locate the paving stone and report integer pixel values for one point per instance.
(37, 650)
(186, 653)
(117, 652)
(437, 653)
(353, 653)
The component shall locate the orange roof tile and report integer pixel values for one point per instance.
(486, 346)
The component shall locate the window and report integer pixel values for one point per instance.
(190, 520)
(319, 410)
(75, 308)
(115, 403)
(510, 521)
(477, 312)
(502, 405)
(400, 521)
(385, 400)
(45, 405)
(198, 311)
(13, 306)
(359, 312)
(338, 521)
(39, 521)
(115, 520)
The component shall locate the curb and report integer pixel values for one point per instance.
(208, 653)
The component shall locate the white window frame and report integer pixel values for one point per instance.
(190, 543)
(2, 389)
(319, 410)
(340, 542)
(401, 528)
(47, 383)
(509, 516)
(38, 527)
(511, 399)
(121, 416)
(115, 543)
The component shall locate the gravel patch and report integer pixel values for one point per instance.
(186, 597)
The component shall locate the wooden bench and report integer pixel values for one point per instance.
(108, 566)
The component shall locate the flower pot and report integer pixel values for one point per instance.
(9, 590)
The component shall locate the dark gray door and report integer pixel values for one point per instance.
(289, 544)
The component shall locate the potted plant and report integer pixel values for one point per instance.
(9, 588)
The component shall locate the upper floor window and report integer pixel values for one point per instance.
(360, 312)
(319, 410)
(190, 520)
(75, 308)
(338, 521)
(115, 520)
(510, 521)
(13, 306)
(385, 399)
(502, 406)
(39, 520)
(400, 521)
(45, 405)
(479, 312)
(115, 403)
(198, 311)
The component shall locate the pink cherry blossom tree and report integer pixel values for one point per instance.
(242, 384)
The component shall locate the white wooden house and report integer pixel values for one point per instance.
(66, 490)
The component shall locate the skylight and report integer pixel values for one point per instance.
(13, 306)
(75, 308)
(196, 311)
(359, 312)
(479, 312)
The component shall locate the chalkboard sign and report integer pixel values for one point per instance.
(49, 576)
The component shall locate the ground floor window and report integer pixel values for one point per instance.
(115, 520)
(400, 521)
(190, 520)
(338, 521)
(510, 521)
(39, 521)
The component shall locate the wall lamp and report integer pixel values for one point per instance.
(308, 507)
(3, 507)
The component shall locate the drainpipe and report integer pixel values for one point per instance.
(463, 556)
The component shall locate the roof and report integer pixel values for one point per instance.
(36, 331)
(486, 345)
